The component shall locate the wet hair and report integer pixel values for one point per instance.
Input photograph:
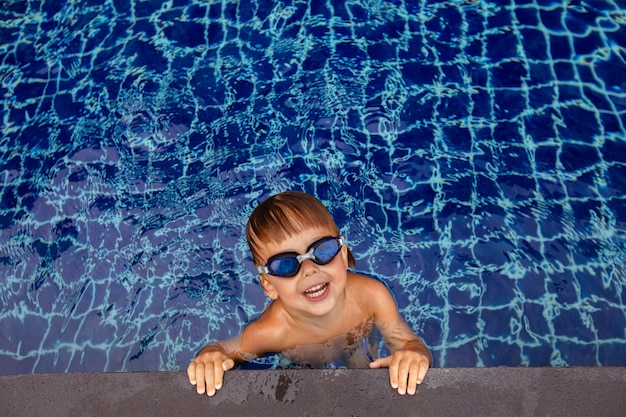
(287, 214)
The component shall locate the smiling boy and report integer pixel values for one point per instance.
(303, 263)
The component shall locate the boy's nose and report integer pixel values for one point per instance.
(308, 267)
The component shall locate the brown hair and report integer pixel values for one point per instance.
(286, 214)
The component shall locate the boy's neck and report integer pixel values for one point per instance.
(313, 324)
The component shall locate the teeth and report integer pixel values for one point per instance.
(316, 291)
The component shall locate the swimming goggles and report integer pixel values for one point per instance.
(288, 264)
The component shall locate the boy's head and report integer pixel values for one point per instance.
(287, 214)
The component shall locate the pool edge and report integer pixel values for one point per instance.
(567, 391)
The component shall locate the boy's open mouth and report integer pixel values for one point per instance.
(317, 292)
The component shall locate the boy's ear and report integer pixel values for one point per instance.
(268, 287)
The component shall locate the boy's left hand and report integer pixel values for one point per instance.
(407, 368)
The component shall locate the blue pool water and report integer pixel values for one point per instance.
(473, 154)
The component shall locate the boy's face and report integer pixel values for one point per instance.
(316, 290)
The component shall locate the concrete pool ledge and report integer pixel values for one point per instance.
(576, 391)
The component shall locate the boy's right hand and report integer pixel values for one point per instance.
(206, 371)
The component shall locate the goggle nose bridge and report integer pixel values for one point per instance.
(309, 255)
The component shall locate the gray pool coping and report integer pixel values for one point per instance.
(563, 391)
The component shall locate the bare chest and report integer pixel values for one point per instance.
(352, 348)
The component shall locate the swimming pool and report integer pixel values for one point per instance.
(473, 154)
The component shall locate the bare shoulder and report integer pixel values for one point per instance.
(263, 335)
(370, 292)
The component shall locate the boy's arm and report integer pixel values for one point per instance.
(407, 365)
(410, 359)
(206, 371)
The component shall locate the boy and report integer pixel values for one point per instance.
(318, 306)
